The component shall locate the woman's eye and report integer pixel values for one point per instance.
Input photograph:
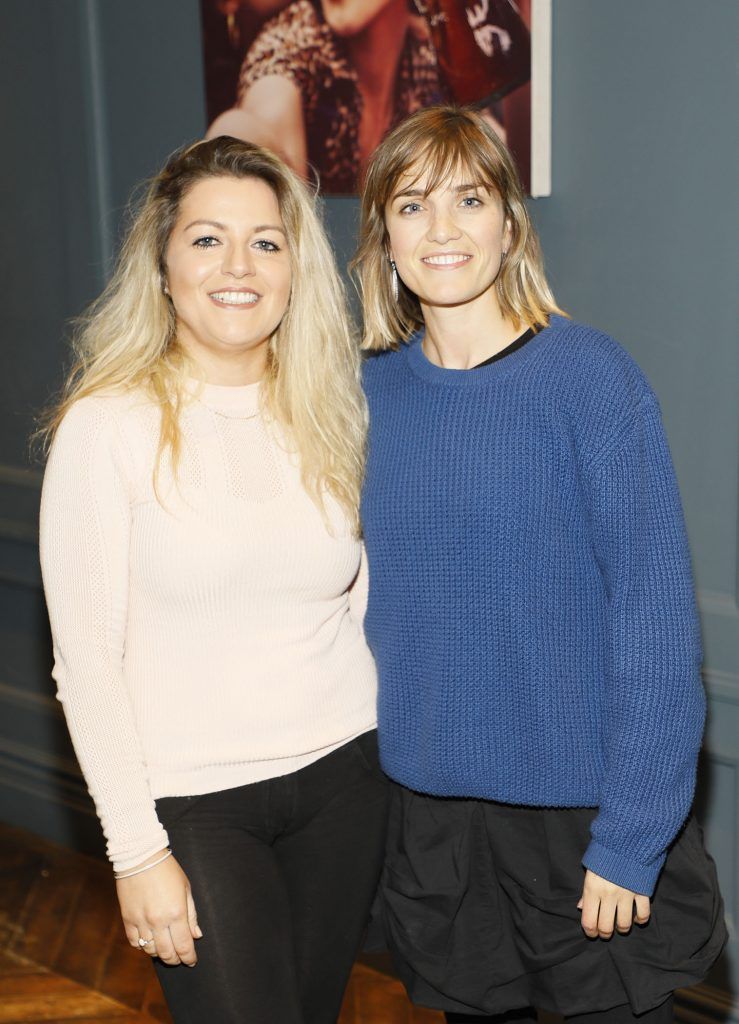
(265, 245)
(471, 202)
(410, 208)
(206, 242)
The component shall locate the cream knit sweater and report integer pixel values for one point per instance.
(206, 640)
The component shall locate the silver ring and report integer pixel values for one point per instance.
(145, 942)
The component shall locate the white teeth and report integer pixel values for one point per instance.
(235, 298)
(446, 259)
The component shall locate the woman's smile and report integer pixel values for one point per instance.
(446, 260)
(235, 298)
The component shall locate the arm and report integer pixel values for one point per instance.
(270, 114)
(85, 525)
(654, 704)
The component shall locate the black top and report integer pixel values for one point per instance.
(517, 343)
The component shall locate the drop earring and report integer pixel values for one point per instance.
(395, 286)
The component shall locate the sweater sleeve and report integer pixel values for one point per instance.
(288, 45)
(654, 705)
(84, 544)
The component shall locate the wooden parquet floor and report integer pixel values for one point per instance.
(30, 994)
(64, 957)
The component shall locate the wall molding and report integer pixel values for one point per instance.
(29, 579)
(16, 579)
(37, 759)
(41, 773)
(723, 686)
(16, 531)
(21, 526)
(704, 1004)
(27, 700)
(718, 602)
(20, 476)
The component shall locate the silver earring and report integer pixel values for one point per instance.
(395, 287)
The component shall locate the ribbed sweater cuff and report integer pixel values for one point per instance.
(138, 853)
(623, 871)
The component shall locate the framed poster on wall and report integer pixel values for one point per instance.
(321, 81)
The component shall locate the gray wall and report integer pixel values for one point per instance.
(95, 94)
(640, 238)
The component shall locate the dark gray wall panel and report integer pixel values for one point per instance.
(95, 95)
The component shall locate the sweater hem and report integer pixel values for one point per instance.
(216, 778)
(585, 796)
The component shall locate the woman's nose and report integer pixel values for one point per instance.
(442, 228)
(238, 261)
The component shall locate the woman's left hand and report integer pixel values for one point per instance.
(604, 904)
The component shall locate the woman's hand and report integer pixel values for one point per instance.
(602, 903)
(158, 905)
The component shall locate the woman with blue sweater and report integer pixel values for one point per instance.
(531, 613)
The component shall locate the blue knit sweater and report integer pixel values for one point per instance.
(531, 605)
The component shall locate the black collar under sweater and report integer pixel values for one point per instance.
(516, 344)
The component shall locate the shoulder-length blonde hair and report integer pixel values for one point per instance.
(436, 143)
(128, 339)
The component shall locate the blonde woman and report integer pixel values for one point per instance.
(531, 613)
(201, 565)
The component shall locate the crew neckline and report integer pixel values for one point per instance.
(512, 346)
(236, 401)
(476, 376)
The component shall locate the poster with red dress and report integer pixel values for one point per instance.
(320, 82)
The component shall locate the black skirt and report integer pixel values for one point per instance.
(478, 906)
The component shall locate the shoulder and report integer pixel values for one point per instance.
(595, 373)
(602, 390)
(286, 45)
(106, 420)
(595, 362)
(381, 370)
(90, 417)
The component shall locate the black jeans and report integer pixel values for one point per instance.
(662, 1014)
(283, 873)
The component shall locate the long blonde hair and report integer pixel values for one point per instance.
(127, 337)
(438, 142)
